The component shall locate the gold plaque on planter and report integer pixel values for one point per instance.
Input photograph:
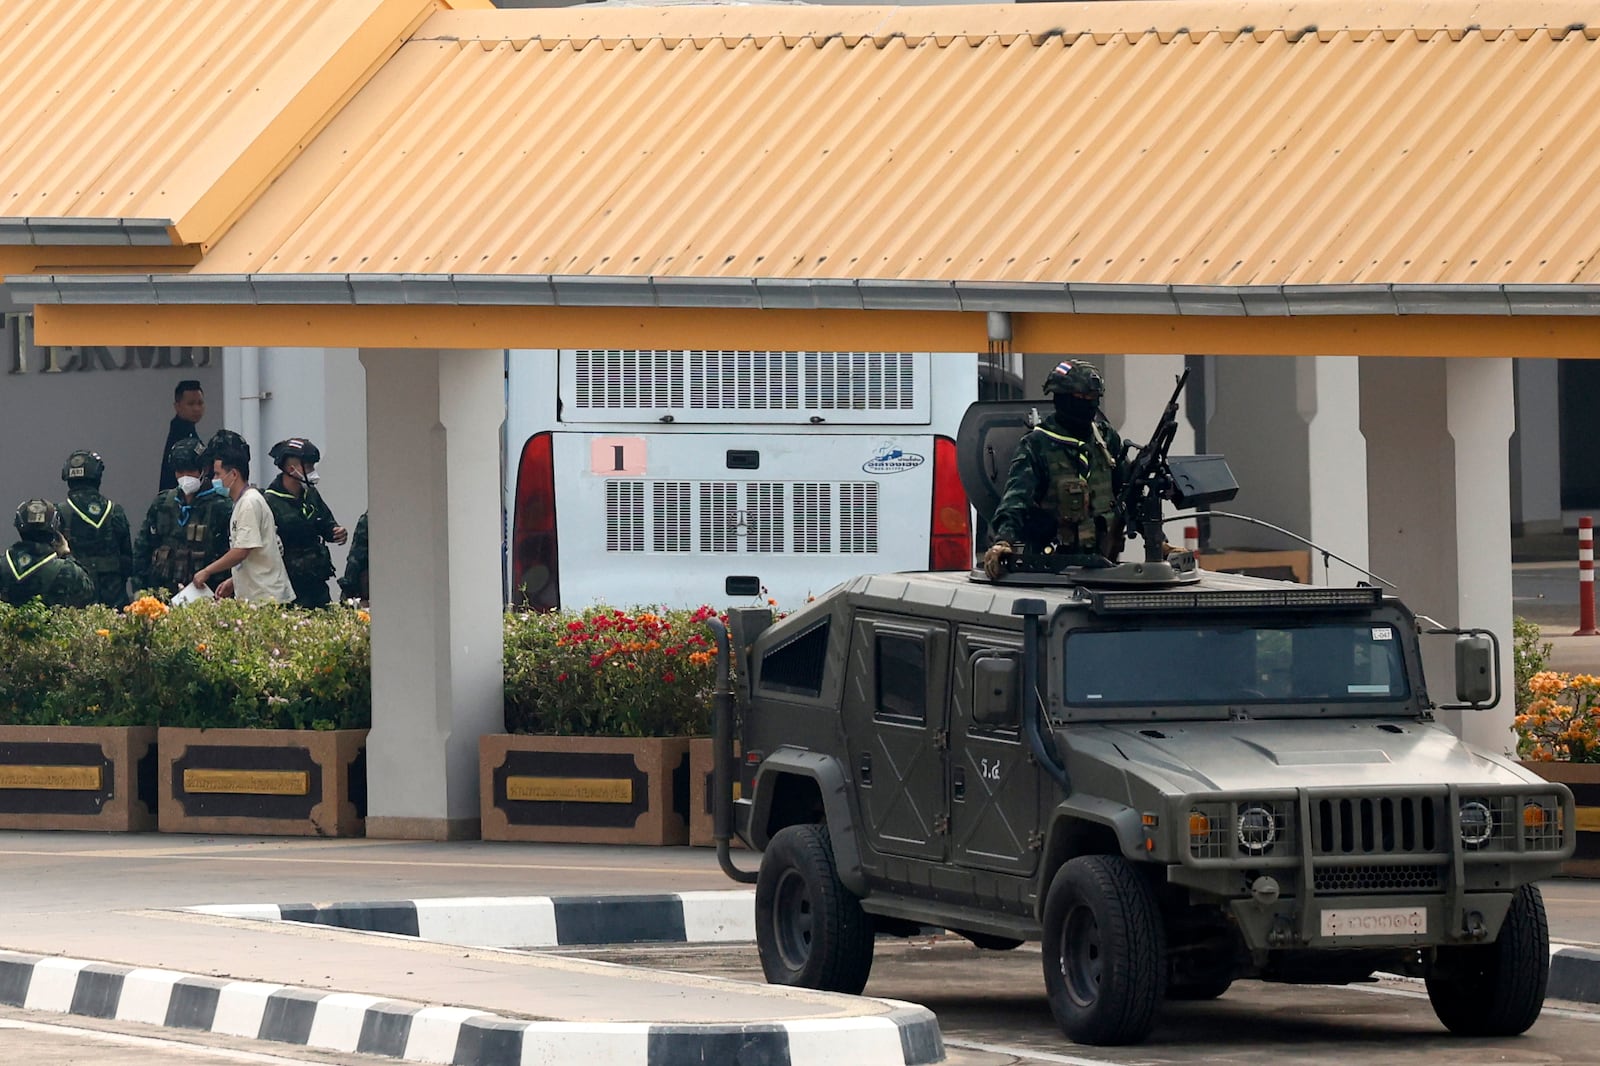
(248, 782)
(51, 778)
(570, 789)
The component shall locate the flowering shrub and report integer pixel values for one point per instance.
(207, 665)
(1530, 652)
(1562, 722)
(609, 672)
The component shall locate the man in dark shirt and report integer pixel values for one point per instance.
(188, 407)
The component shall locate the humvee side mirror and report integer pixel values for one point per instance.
(994, 691)
(1475, 665)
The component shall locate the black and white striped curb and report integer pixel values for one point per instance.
(531, 921)
(908, 1035)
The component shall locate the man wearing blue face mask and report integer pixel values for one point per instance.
(305, 524)
(185, 528)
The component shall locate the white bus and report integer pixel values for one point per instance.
(689, 477)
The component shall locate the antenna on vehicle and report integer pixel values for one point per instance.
(1327, 553)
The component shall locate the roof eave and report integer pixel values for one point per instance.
(542, 290)
(87, 232)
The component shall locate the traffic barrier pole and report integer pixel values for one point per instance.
(1191, 538)
(1586, 578)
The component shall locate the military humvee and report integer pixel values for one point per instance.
(1170, 778)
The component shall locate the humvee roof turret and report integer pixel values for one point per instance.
(1170, 784)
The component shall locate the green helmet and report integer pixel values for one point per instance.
(1079, 379)
(226, 444)
(37, 521)
(185, 455)
(83, 466)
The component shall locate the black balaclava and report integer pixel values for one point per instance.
(1075, 412)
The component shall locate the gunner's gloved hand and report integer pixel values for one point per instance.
(997, 560)
(58, 544)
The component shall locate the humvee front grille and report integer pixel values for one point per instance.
(1378, 825)
(1343, 880)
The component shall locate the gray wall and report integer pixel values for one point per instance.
(117, 401)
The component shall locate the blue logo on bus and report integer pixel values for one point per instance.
(891, 460)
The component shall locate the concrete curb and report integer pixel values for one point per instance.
(531, 921)
(908, 1035)
(1574, 974)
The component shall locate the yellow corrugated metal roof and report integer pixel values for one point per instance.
(156, 121)
(1133, 143)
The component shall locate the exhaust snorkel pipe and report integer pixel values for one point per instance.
(722, 756)
(1033, 713)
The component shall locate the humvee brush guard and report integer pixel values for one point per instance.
(1170, 778)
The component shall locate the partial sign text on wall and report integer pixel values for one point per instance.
(21, 356)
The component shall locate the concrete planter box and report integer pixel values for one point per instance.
(700, 793)
(1584, 780)
(584, 790)
(266, 782)
(78, 777)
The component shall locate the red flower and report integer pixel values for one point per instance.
(670, 651)
(575, 626)
(561, 676)
(595, 661)
(669, 677)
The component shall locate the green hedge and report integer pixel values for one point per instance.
(600, 672)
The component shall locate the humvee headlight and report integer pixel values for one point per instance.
(1258, 829)
(1534, 818)
(1199, 826)
(1477, 824)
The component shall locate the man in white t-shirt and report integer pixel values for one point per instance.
(253, 552)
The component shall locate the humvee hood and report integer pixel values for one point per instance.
(1234, 756)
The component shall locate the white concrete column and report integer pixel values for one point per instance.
(1481, 415)
(1328, 398)
(433, 433)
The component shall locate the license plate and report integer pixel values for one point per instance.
(1376, 921)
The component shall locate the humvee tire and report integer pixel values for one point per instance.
(1496, 989)
(810, 930)
(1105, 967)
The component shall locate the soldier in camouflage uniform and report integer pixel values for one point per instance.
(354, 584)
(1061, 490)
(185, 528)
(305, 525)
(97, 527)
(40, 565)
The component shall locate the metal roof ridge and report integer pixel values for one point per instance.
(545, 290)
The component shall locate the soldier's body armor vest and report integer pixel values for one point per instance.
(27, 571)
(1079, 490)
(184, 543)
(305, 556)
(86, 516)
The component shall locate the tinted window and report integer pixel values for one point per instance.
(1235, 665)
(902, 677)
(796, 665)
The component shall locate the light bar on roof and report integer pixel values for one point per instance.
(1104, 602)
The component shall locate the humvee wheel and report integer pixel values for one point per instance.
(1496, 989)
(810, 930)
(1104, 951)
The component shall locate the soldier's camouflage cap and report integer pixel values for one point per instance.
(1072, 377)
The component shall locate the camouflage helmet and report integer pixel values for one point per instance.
(294, 448)
(186, 454)
(83, 465)
(1079, 379)
(226, 444)
(37, 520)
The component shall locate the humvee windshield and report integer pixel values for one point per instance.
(1235, 664)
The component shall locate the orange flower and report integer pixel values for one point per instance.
(199, 647)
(364, 616)
(103, 632)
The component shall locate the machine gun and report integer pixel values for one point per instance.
(1149, 478)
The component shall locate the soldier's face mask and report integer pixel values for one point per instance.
(1078, 409)
(188, 485)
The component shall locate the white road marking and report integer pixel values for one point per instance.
(1030, 1053)
(155, 1044)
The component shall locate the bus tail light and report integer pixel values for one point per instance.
(535, 562)
(950, 526)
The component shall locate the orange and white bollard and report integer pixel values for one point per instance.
(1586, 578)
(1191, 538)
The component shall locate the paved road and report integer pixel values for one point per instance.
(992, 1010)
